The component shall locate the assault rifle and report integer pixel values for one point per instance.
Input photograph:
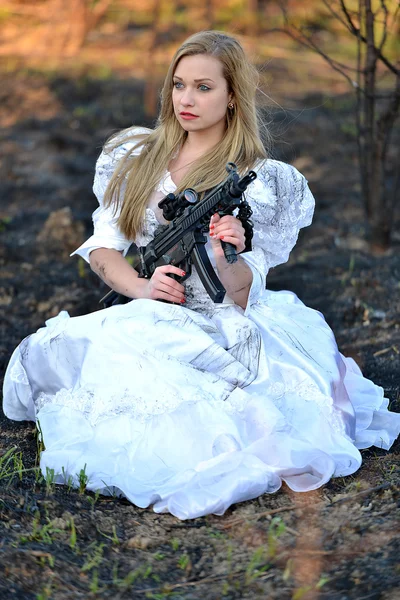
(182, 242)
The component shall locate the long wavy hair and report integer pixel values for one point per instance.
(141, 173)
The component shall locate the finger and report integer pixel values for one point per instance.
(166, 283)
(169, 298)
(229, 219)
(170, 279)
(222, 231)
(172, 284)
(165, 292)
(238, 243)
(214, 220)
(229, 222)
(170, 269)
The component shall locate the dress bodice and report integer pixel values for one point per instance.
(280, 199)
(196, 296)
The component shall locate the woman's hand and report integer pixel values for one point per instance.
(236, 277)
(227, 229)
(162, 287)
(117, 273)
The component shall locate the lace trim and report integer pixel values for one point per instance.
(95, 408)
(285, 398)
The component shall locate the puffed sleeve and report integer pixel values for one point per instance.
(282, 204)
(106, 233)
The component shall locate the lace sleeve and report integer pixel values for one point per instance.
(106, 232)
(282, 204)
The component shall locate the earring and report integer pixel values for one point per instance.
(230, 105)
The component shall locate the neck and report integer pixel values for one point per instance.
(202, 141)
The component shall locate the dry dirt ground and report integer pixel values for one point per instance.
(341, 542)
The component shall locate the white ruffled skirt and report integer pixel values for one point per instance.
(193, 412)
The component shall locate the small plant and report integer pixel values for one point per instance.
(94, 584)
(18, 464)
(81, 268)
(175, 543)
(50, 480)
(68, 481)
(11, 464)
(159, 556)
(93, 499)
(348, 274)
(6, 463)
(303, 591)
(216, 534)
(226, 588)
(113, 537)
(257, 565)
(142, 572)
(4, 221)
(115, 577)
(183, 562)
(147, 571)
(40, 533)
(275, 530)
(73, 536)
(45, 594)
(83, 480)
(49, 558)
(95, 557)
(39, 441)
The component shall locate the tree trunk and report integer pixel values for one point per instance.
(379, 219)
(369, 111)
(209, 13)
(151, 84)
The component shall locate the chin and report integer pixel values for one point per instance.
(190, 126)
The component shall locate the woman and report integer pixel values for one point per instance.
(186, 404)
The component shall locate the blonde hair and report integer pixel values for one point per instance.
(240, 144)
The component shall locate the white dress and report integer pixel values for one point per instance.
(193, 408)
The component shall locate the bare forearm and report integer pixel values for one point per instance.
(116, 272)
(236, 279)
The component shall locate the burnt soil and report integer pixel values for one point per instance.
(340, 542)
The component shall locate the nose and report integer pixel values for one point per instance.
(187, 98)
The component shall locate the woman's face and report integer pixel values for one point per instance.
(200, 95)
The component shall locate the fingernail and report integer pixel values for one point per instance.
(183, 301)
(183, 272)
(221, 237)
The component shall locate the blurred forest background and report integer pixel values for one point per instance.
(321, 48)
(136, 38)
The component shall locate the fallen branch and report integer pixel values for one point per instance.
(378, 488)
(170, 587)
(267, 513)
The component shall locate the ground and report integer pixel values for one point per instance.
(340, 542)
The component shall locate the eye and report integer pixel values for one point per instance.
(203, 87)
(178, 84)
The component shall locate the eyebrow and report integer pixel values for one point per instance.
(196, 80)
